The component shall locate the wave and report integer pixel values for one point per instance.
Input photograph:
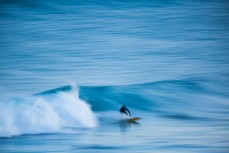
(45, 113)
(70, 107)
(187, 99)
(152, 95)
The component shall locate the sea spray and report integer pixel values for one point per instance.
(47, 113)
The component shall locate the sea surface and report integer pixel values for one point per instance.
(67, 66)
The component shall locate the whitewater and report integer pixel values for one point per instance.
(45, 114)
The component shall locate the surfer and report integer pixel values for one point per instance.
(124, 110)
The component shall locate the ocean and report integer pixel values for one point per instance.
(66, 68)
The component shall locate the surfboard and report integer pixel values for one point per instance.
(133, 119)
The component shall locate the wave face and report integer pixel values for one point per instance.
(187, 99)
(45, 113)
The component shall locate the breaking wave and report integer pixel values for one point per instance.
(45, 113)
(70, 108)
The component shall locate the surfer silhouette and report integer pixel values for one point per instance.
(124, 110)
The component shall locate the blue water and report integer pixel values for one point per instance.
(68, 66)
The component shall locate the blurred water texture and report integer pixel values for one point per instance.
(168, 60)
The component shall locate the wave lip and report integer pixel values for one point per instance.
(45, 114)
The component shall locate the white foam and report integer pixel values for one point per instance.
(51, 113)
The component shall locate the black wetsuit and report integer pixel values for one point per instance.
(124, 110)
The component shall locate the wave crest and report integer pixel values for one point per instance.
(45, 114)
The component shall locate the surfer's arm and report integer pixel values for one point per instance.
(128, 111)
